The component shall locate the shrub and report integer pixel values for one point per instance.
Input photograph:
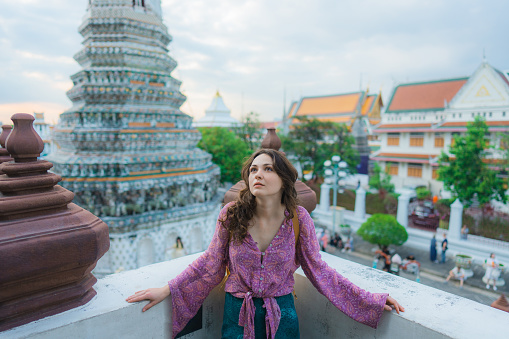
(383, 230)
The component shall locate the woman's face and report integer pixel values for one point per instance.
(263, 179)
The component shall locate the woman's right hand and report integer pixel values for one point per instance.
(155, 295)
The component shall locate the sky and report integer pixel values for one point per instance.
(262, 54)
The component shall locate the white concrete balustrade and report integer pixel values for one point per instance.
(430, 313)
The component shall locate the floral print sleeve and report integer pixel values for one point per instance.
(358, 304)
(190, 288)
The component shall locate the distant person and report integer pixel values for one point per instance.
(445, 242)
(337, 241)
(325, 240)
(176, 251)
(358, 184)
(433, 250)
(492, 272)
(464, 232)
(385, 254)
(410, 264)
(348, 245)
(457, 273)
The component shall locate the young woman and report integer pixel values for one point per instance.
(255, 239)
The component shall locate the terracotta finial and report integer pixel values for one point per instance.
(23, 143)
(501, 303)
(271, 140)
(6, 130)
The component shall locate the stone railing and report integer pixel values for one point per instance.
(430, 313)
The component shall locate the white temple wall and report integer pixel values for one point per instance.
(147, 246)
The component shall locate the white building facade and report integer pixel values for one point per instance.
(423, 118)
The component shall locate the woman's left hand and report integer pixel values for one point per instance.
(391, 303)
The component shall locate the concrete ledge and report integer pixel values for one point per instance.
(430, 313)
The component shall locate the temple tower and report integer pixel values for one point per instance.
(125, 148)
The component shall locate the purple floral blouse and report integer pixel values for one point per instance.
(269, 274)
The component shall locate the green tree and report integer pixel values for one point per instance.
(380, 182)
(464, 172)
(250, 131)
(313, 141)
(383, 230)
(227, 149)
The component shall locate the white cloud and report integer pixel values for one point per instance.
(252, 50)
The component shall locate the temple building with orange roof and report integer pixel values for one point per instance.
(422, 119)
(341, 108)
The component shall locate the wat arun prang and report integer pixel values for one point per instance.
(125, 148)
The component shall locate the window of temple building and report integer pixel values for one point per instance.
(416, 139)
(439, 140)
(459, 115)
(392, 168)
(393, 139)
(473, 114)
(434, 173)
(490, 114)
(139, 3)
(503, 114)
(414, 170)
(454, 115)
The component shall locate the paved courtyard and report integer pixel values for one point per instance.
(431, 274)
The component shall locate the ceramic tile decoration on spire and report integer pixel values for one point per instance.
(125, 148)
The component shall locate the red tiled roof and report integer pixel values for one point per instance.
(368, 103)
(344, 103)
(421, 96)
(292, 109)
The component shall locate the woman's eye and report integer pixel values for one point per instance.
(269, 169)
(252, 169)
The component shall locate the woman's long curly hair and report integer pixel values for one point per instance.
(239, 214)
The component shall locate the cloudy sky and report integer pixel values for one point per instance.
(255, 51)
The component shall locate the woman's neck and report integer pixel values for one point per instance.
(269, 208)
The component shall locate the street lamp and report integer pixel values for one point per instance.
(335, 170)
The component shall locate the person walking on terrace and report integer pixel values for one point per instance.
(445, 242)
(262, 238)
(492, 272)
(457, 273)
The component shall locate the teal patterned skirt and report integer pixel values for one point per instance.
(288, 326)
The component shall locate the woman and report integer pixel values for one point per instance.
(255, 238)
(492, 272)
(433, 249)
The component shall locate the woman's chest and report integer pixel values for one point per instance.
(277, 254)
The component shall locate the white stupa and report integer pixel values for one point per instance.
(217, 115)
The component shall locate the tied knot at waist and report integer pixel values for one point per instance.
(247, 315)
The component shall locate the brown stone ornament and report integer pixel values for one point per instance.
(4, 154)
(48, 245)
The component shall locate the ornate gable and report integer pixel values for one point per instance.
(485, 88)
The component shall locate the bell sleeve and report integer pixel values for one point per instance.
(190, 288)
(358, 304)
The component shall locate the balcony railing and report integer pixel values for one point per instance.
(430, 313)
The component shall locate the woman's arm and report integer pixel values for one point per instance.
(355, 302)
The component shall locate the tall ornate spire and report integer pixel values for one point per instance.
(125, 147)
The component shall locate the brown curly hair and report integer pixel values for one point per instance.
(239, 214)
